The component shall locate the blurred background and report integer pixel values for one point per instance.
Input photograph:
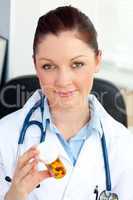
(114, 24)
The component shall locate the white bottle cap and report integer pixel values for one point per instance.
(48, 151)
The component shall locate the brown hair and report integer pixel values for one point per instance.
(63, 19)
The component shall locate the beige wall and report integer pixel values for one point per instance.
(128, 95)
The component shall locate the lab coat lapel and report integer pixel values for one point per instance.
(89, 170)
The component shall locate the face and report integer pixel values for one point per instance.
(65, 66)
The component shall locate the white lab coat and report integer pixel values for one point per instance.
(80, 181)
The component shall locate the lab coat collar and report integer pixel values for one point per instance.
(46, 114)
(30, 103)
(97, 114)
(95, 121)
(33, 99)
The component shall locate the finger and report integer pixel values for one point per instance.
(28, 155)
(25, 170)
(40, 174)
(34, 178)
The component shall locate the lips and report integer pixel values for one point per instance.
(65, 94)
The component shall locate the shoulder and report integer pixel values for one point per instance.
(11, 124)
(117, 134)
(120, 153)
(113, 127)
(116, 131)
(119, 139)
(10, 127)
(9, 134)
(119, 145)
(122, 141)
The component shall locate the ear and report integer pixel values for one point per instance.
(98, 61)
(34, 60)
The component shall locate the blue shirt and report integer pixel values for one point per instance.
(75, 143)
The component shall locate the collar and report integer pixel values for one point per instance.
(46, 115)
(93, 125)
(96, 115)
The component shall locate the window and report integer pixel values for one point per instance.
(115, 28)
(3, 43)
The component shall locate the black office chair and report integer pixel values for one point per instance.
(15, 92)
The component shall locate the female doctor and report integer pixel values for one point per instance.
(96, 150)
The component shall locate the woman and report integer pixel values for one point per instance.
(66, 58)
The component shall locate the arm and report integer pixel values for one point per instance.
(125, 188)
(5, 191)
(125, 167)
(4, 186)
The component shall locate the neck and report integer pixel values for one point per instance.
(70, 120)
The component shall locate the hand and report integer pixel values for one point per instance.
(26, 176)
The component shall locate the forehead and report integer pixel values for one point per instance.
(67, 43)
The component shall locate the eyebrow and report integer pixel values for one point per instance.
(48, 59)
(78, 56)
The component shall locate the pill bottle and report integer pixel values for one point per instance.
(49, 154)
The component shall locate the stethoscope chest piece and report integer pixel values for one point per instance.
(106, 195)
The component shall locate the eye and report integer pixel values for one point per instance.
(77, 64)
(48, 66)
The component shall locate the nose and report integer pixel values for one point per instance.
(64, 78)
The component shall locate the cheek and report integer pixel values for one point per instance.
(86, 81)
(46, 83)
(44, 79)
(86, 77)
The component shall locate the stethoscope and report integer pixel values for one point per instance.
(104, 195)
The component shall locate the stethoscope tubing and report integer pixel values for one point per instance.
(27, 122)
(106, 164)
